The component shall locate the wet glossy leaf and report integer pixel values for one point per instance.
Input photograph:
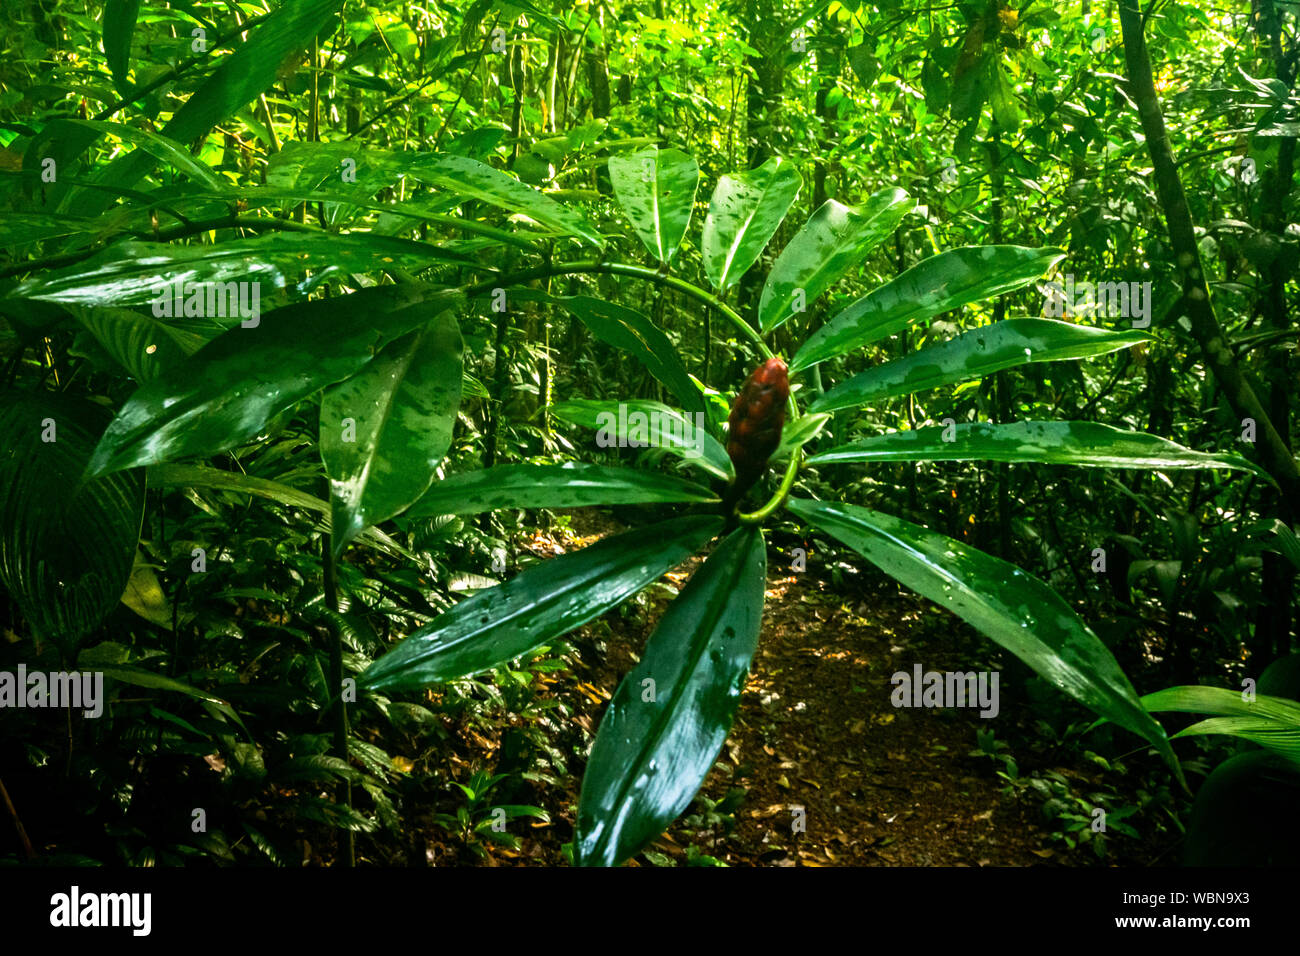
(1054, 443)
(831, 244)
(632, 332)
(144, 594)
(939, 284)
(643, 424)
(469, 179)
(671, 713)
(744, 214)
(384, 431)
(1014, 609)
(138, 273)
(655, 189)
(66, 549)
(571, 485)
(975, 354)
(543, 602)
(227, 391)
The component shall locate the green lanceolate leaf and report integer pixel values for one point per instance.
(1280, 737)
(141, 344)
(655, 189)
(744, 214)
(159, 147)
(975, 354)
(140, 677)
(939, 284)
(832, 243)
(671, 713)
(643, 424)
(384, 431)
(66, 548)
(119, 24)
(631, 332)
(1222, 702)
(1053, 443)
(470, 179)
(543, 602)
(247, 72)
(227, 391)
(799, 433)
(1271, 722)
(571, 485)
(236, 482)
(147, 273)
(1014, 609)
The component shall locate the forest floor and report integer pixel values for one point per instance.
(820, 768)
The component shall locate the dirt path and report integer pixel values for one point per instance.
(820, 768)
(877, 785)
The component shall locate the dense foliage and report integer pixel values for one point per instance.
(313, 313)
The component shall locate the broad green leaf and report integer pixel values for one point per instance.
(541, 603)
(975, 354)
(470, 179)
(655, 189)
(238, 79)
(119, 24)
(744, 214)
(19, 228)
(831, 244)
(1014, 609)
(643, 424)
(384, 431)
(1275, 735)
(671, 713)
(571, 485)
(66, 548)
(1053, 443)
(144, 594)
(1271, 722)
(147, 273)
(141, 344)
(227, 391)
(1222, 702)
(632, 332)
(246, 73)
(939, 284)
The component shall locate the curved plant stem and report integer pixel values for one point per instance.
(688, 289)
(638, 272)
(778, 498)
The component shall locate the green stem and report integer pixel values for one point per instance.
(340, 708)
(638, 272)
(778, 498)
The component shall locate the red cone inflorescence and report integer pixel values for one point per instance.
(755, 423)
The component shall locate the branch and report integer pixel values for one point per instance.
(1274, 454)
